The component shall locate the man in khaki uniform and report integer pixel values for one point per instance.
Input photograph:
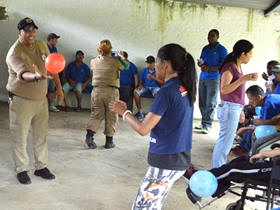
(106, 84)
(27, 86)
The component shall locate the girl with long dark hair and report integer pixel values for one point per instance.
(232, 94)
(170, 123)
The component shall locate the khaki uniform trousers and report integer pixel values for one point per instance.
(100, 98)
(23, 114)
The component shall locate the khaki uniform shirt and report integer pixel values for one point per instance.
(105, 71)
(19, 60)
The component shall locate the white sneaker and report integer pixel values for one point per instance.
(198, 127)
(204, 130)
(237, 139)
(52, 108)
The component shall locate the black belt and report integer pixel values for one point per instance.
(11, 95)
(95, 86)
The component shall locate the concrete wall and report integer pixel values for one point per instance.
(140, 27)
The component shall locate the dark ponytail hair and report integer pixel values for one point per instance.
(183, 63)
(241, 46)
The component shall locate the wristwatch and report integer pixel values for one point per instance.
(36, 79)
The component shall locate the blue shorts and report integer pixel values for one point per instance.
(147, 91)
(67, 87)
(51, 86)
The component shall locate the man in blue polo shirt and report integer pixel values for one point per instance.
(211, 58)
(78, 75)
(52, 41)
(276, 82)
(148, 86)
(270, 107)
(128, 82)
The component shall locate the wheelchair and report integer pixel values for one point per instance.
(268, 190)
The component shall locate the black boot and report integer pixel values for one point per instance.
(90, 140)
(109, 142)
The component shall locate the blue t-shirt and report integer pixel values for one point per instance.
(212, 57)
(144, 78)
(76, 73)
(52, 49)
(271, 107)
(277, 88)
(127, 75)
(173, 133)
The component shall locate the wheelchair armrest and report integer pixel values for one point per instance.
(263, 142)
(273, 146)
(275, 173)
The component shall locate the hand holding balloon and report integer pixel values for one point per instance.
(38, 74)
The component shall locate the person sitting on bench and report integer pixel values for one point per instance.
(149, 85)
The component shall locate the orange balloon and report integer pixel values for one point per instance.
(55, 63)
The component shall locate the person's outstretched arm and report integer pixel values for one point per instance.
(266, 154)
(142, 127)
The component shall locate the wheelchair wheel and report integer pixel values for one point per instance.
(234, 206)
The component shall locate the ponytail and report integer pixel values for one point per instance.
(230, 58)
(241, 46)
(183, 63)
(188, 77)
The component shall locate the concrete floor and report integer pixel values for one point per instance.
(92, 179)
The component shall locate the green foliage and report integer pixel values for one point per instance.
(3, 13)
(250, 19)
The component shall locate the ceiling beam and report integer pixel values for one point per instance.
(250, 4)
(272, 8)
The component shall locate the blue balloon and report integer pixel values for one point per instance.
(203, 183)
(264, 130)
(258, 110)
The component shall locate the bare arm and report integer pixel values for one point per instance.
(30, 77)
(264, 76)
(159, 81)
(209, 69)
(227, 87)
(57, 81)
(70, 81)
(140, 85)
(33, 77)
(123, 60)
(270, 88)
(136, 80)
(266, 154)
(273, 121)
(141, 127)
(241, 131)
(206, 68)
(58, 86)
(87, 81)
